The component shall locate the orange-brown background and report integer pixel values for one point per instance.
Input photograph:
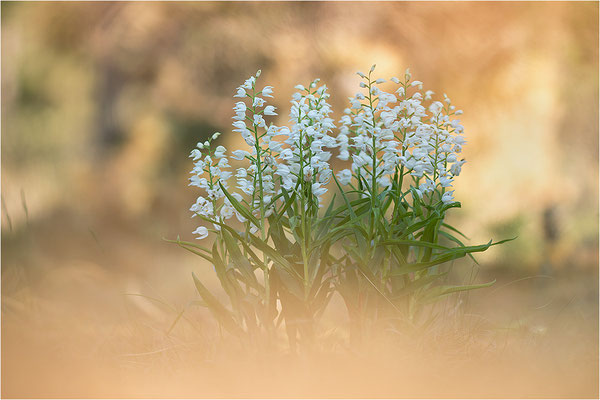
(102, 102)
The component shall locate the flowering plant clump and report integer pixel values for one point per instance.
(379, 240)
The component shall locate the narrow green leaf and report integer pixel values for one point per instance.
(189, 244)
(419, 283)
(457, 241)
(239, 207)
(448, 256)
(416, 243)
(207, 258)
(437, 292)
(445, 225)
(217, 309)
(239, 260)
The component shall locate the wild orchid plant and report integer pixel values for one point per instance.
(380, 246)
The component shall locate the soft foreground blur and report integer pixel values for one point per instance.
(101, 104)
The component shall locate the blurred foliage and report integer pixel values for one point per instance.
(101, 102)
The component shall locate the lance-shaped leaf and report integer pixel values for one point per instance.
(451, 254)
(239, 207)
(239, 260)
(222, 314)
(437, 292)
(418, 284)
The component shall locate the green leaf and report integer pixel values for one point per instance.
(239, 207)
(451, 254)
(289, 200)
(348, 206)
(217, 309)
(207, 258)
(457, 241)
(229, 285)
(416, 243)
(290, 284)
(445, 225)
(259, 244)
(190, 244)
(419, 283)
(239, 260)
(437, 292)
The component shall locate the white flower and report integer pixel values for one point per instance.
(239, 126)
(220, 152)
(283, 170)
(240, 107)
(436, 107)
(361, 159)
(286, 154)
(195, 154)
(245, 186)
(318, 190)
(202, 232)
(247, 135)
(249, 84)
(241, 173)
(223, 163)
(448, 197)
(259, 121)
(427, 186)
(227, 210)
(445, 181)
(258, 102)
(344, 155)
(240, 92)
(456, 167)
(270, 110)
(275, 146)
(202, 207)
(239, 154)
(384, 181)
(267, 91)
(345, 176)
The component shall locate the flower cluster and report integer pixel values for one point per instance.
(211, 173)
(257, 180)
(305, 162)
(390, 133)
(387, 135)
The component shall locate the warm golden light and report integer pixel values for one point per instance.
(102, 103)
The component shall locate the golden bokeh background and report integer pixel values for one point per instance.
(102, 102)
